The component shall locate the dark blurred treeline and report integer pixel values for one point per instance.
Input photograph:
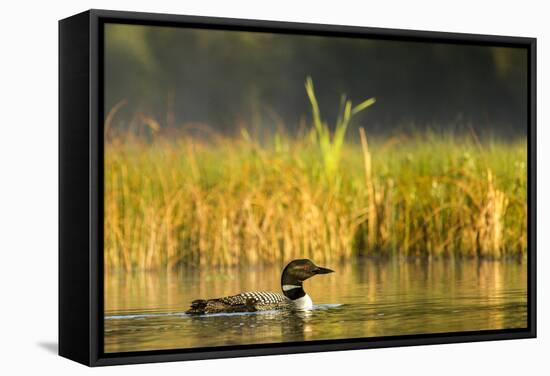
(230, 79)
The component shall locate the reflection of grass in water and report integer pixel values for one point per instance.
(233, 200)
(380, 297)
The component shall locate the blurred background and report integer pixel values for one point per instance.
(228, 79)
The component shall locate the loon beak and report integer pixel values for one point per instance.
(321, 270)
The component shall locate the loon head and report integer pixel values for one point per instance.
(297, 271)
(294, 274)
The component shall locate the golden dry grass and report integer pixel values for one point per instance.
(232, 200)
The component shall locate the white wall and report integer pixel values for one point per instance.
(28, 187)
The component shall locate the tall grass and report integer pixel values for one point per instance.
(172, 199)
(332, 143)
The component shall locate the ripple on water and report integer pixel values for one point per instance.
(135, 316)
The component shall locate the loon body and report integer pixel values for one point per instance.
(293, 296)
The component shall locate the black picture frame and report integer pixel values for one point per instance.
(81, 184)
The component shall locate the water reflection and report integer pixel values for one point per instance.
(372, 298)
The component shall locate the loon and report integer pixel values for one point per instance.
(293, 297)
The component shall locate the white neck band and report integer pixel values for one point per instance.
(290, 287)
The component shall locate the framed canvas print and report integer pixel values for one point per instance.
(238, 187)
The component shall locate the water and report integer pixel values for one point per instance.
(145, 311)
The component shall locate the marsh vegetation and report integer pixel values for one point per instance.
(194, 196)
